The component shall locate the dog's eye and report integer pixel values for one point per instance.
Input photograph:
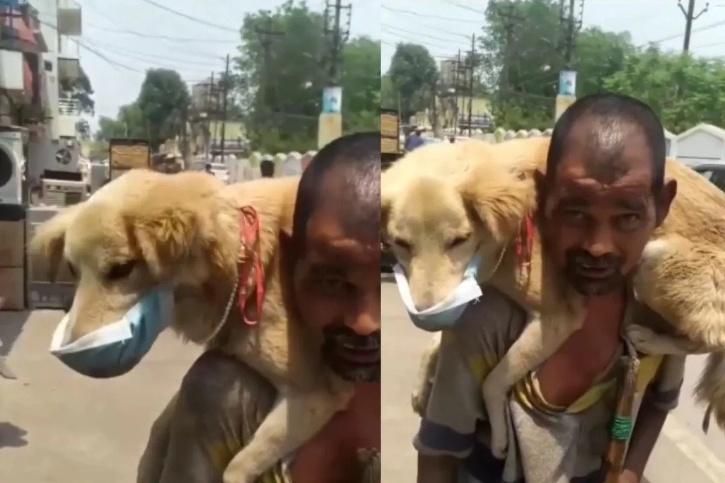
(459, 240)
(402, 243)
(120, 270)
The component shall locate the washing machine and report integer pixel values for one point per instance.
(12, 164)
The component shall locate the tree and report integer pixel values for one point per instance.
(388, 96)
(81, 90)
(599, 55)
(281, 84)
(683, 90)
(413, 75)
(361, 85)
(164, 101)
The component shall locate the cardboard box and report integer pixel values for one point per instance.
(38, 270)
(12, 289)
(12, 243)
(53, 296)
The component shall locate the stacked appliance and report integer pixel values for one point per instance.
(12, 221)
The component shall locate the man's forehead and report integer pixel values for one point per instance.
(329, 238)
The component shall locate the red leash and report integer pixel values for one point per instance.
(249, 229)
(525, 244)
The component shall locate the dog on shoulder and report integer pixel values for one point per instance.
(147, 229)
(445, 205)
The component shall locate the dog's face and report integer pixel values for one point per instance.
(436, 225)
(138, 232)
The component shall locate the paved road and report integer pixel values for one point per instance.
(683, 453)
(60, 427)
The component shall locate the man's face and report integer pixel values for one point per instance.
(337, 290)
(599, 214)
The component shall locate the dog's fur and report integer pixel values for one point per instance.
(183, 230)
(444, 203)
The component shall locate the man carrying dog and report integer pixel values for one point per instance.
(602, 197)
(331, 264)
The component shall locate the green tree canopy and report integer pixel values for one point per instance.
(413, 75)
(361, 85)
(164, 103)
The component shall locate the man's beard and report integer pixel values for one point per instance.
(341, 343)
(592, 276)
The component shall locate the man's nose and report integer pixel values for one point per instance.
(365, 319)
(600, 241)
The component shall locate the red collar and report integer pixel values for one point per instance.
(249, 230)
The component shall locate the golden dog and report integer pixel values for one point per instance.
(443, 204)
(184, 230)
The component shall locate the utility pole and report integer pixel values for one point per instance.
(338, 37)
(456, 87)
(510, 20)
(689, 18)
(225, 89)
(209, 112)
(471, 70)
(266, 35)
(573, 25)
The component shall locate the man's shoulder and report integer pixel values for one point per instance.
(493, 320)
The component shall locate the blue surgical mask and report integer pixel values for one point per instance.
(116, 348)
(445, 314)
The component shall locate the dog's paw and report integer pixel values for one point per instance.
(236, 474)
(645, 340)
(655, 251)
(496, 405)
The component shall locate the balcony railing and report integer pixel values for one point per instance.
(69, 107)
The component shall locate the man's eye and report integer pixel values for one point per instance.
(574, 216)
(120, 270)
(629, 222)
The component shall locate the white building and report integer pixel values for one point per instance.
(53, 150)
(703, 143)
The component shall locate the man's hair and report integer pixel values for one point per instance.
(355, 159)
(614, 112)
(266, 168)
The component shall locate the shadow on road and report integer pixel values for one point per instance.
(11, 325)
(12, 436)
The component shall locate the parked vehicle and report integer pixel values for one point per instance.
(715, 173)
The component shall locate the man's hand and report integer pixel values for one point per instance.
(628, 476)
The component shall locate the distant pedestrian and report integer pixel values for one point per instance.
(207, 168)
(267, 168)
(415, 139)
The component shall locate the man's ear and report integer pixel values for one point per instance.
(48, 241)
(166, 238)
(665, 199)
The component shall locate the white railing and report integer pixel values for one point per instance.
(69, 107)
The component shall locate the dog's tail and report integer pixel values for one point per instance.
(711, 390)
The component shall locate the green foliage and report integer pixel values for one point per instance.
(413, 76)
(361, 85)
(282, 91)
(683, 90)
(163, 102)
(81, 90)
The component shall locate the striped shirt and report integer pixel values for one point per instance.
(547, 444)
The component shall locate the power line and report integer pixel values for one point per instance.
(409, 40)
(676, 36)
(159, 36)
(436, 17)
(466, 7)
(190, 17)
(154, 57)
(390, 27)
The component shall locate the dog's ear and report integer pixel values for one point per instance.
(499, 199)
(48, 242)
(387, 195)
(166, 238)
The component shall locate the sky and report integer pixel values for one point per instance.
(444, 26)
(117, 65)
